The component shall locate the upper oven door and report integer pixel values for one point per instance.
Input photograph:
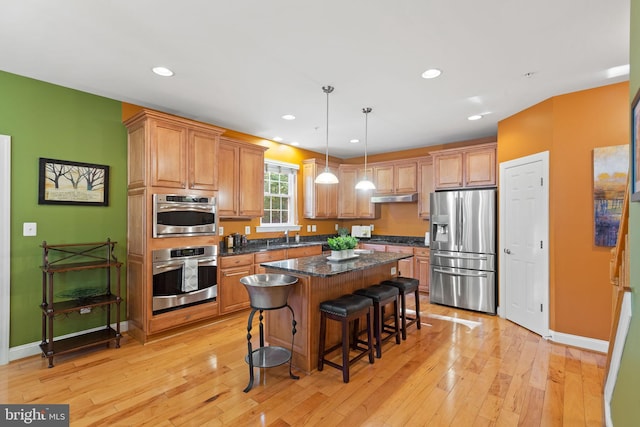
(183, 218)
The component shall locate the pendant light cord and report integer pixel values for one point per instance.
(327, 90)
(366, 112)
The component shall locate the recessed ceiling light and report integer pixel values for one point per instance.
(621, 70)
(474, 117)
(354, 141)
(277, 138)
(295, 143)
(162, 71)
(431, 73)
(289, 117)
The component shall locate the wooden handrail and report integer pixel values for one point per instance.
(619, 273)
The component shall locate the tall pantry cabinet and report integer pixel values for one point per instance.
(166, 155)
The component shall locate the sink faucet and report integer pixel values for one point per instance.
(286, 236)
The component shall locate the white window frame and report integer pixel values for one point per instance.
(292, 225)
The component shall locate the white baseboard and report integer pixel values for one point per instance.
(32, 349)
(578, 341)
(624, 321)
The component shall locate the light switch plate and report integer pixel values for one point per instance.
(247, 229)
(308, 228)
(220, 231)
(313, 228)
(371, 225)
(29, 229)
(393, 271)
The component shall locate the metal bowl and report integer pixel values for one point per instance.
(268, 291)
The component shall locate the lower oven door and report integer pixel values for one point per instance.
(469, 289)
(171, 287)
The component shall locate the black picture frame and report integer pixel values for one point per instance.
(635, 148)
(63, 182)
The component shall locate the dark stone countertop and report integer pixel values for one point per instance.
(260, 245)
(318, 265)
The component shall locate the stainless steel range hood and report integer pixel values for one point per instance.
(395, 198)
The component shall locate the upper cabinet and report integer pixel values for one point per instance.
(240, 179)
(395, 177)
(425, 186)
(320, 200)
(171, 152)
(464, 167)
(354, 203)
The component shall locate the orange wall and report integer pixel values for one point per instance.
(570, 126)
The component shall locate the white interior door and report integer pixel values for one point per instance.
(5, 241)
(524, 242)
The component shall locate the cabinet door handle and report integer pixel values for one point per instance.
(236, 273)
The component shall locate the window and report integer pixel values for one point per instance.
(280, 188)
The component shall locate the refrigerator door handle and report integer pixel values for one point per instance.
(453, 273)
(460, 221)
(461, 256)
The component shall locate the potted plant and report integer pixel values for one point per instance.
(342, 246)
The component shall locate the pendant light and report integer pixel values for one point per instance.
(327, 177)
(364, 183)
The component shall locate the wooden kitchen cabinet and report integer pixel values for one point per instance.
(421, 268)
(466, 167)
(303, 251)
(171, 152)
(320, 200)
(395, 177)
(373, 246)
(425, 186)
(232, 295)
(405, 266)
(267, 256)
(354, 203)
(240, 179)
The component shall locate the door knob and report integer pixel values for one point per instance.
(507, 251)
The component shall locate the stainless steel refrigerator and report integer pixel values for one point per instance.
(463, 249)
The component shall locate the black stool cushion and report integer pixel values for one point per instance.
(378, 292)
(345, 305)
(404, 284)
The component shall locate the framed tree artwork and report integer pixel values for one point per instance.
(63, 182)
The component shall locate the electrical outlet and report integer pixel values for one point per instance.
(313, 228)
(29, 229)
(393, 271)
(308, 228)
(337, 227)
(220, 231)
(247, 229)
(371, 225)
(85, 310)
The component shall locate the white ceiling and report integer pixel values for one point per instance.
(243, 64)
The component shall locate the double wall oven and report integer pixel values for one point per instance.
(184, 277)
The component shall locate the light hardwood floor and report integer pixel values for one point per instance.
(461, 369)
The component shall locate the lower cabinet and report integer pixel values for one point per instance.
(232, 295)
(405, 266)
(421, 268)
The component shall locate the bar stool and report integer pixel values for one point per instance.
(382, 295)
(405, 286)
(345, 309)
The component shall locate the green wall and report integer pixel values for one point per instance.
(625, 404)
(46, 120)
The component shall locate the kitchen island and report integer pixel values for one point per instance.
(319, 280)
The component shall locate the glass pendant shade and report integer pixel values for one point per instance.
(364, 183)
(327, 177)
